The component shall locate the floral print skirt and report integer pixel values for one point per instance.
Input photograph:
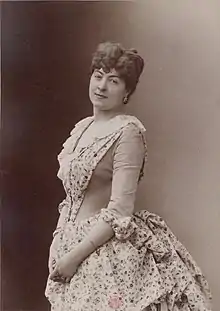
(150, 271)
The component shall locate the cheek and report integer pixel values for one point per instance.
(91, 86)
(118, 94)
(91, 91)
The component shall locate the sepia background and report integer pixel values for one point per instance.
(46, 54)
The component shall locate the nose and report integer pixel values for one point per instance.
(102, 86)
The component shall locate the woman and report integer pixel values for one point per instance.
(105, 255)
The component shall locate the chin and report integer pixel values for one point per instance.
(96, 102)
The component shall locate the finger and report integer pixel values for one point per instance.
(53, 264)
(54, 273)
(51, 268)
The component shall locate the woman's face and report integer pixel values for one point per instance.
(107, 90)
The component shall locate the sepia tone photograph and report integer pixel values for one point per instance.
(110, 174)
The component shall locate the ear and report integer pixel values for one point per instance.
(126, 93)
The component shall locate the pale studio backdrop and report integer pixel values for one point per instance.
(179, 102)
(46, 53)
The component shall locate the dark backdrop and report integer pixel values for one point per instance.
(46, 53)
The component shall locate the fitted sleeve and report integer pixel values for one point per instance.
(128, 163)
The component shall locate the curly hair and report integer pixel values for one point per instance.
(127, 62)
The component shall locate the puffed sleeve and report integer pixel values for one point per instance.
(128, 163)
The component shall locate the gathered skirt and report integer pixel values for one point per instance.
(150, 271)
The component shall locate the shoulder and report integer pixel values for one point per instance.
(80, 123)
(133, 130)
(131, 123)
(132, 139)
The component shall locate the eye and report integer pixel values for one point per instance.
(114, 81)
(98, 76)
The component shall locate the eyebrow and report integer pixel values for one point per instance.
(111, 76)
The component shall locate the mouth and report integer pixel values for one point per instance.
(100, 96)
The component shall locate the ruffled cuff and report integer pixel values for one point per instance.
(123, 226)
(62, 204)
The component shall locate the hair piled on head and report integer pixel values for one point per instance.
(127, 63)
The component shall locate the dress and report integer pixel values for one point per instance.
(143, 266)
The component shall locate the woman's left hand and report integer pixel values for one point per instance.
(65, 268)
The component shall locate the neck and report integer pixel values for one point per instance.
(100, 116)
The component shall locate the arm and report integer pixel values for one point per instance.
(115, 220)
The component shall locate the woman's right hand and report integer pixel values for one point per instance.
(51, 264)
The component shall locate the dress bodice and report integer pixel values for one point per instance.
(82, 156)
